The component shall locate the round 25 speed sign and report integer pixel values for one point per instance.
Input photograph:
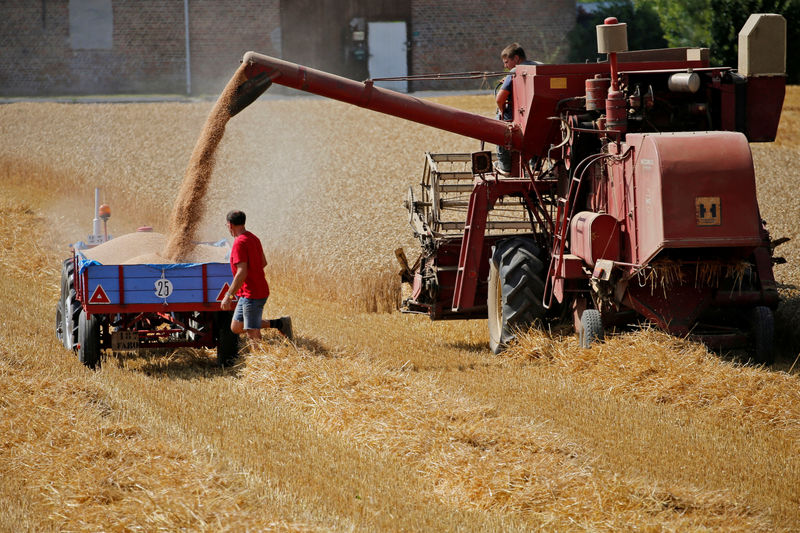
(163, 288)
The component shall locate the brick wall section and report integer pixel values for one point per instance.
(471, 36)
(148, 50)
(28, 37)
(222, 31)
(148, 54)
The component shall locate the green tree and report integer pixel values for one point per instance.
(685, 22)
(730, 15)
(644, 28)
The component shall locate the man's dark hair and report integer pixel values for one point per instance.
(513, 49)
(237, 218)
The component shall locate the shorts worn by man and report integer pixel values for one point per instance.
(512, 55)
(249, 283)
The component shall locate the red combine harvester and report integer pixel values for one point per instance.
(632, 193)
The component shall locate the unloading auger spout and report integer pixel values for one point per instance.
(261, 71)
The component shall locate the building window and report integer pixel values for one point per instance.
(91, 24)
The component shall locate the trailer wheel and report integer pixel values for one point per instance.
(71, 308)
(89, 340)
(60, 320)
(762, 324)
(591, 328)
(227, 341)
(516, 288)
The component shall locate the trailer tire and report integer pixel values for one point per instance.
(71, 308)
(60, 320)
(227, 341)
(61, 324)
(516, 288)
(591, 328)
(88, 347)
(762, 330)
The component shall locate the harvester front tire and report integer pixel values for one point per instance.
(763, 334)
(89, 340)
(516, 288)
(591, 328)
(227, 341)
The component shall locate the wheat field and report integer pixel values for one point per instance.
(369, 421)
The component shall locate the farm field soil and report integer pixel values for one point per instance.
(370, 421)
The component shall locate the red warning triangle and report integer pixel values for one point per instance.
(99, 296)
(222, 292)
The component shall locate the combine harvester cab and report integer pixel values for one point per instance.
(631, 196)
(134, 306)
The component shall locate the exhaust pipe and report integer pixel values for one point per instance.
(249, 91)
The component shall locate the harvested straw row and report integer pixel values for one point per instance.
(474, 455)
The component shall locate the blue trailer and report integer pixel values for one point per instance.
(131, 307)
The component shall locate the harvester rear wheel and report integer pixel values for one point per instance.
(762, 324)
(89, 340)
(516, 288)
(227, 341)
(591, 328)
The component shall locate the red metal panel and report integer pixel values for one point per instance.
(205, 283)
(121, 285)
(151, 308)
(679, 176)
(472, 253)
(471, 246)
(675, 313)
(594, 236)
(83, 289)
(764, 102)
(537, 91)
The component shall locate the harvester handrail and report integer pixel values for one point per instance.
(470, 75)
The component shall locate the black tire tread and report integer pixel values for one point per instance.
(763, 334)
(72, 309)
(227, 341)
(591, 328)
(89, 350)
(520, 273)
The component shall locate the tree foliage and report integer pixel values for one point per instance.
(685, 22)
(708, 23)
(644, 28)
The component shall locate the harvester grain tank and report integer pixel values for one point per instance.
(632, 193)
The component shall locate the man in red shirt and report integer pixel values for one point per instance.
(249, 283)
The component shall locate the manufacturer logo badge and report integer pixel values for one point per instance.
(708, 210)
